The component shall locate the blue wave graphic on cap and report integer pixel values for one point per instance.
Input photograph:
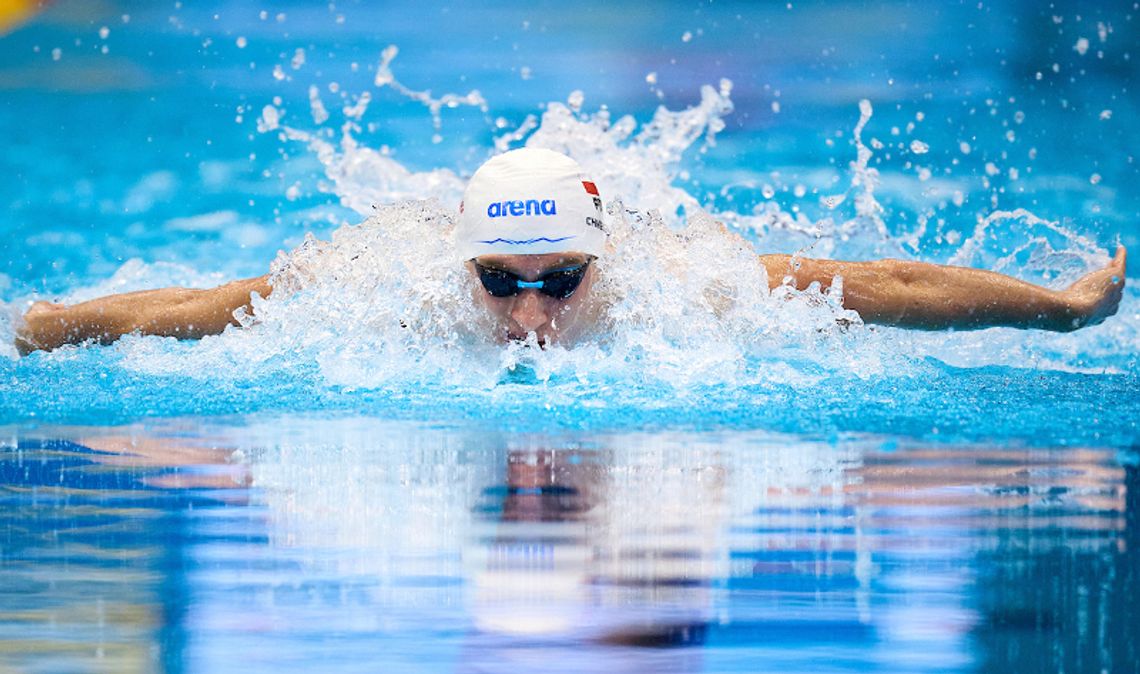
(523, 242)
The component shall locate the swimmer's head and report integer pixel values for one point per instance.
(529, 229)
(530, 201)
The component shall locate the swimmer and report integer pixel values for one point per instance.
(530, 228)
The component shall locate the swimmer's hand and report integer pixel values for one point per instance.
(171, 312)
(30, 329)
(1096, 296)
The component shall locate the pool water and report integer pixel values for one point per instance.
(367, 545)
(771, 486)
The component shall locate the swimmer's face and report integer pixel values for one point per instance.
(551, 319)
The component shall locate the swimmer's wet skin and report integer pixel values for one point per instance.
(531, 224)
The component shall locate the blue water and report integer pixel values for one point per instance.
(767, 492)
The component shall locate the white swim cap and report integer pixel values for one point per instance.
(530, 201)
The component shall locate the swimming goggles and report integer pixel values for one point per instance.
(558, 283)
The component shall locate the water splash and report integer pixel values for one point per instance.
(383, 305)
(385, 78)
(1051, 253)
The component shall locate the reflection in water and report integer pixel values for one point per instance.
(361, 545)
(91, 565)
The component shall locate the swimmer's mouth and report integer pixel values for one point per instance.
(515, 337)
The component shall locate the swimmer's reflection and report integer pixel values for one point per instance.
(74, 503)
(577, 548)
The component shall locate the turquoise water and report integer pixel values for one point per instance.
(776, 487)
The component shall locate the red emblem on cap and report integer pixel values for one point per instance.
(591, 188)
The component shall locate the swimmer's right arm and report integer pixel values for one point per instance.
(170, 312)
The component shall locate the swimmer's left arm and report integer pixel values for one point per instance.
(936, 297)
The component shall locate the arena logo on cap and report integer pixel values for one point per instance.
(502, 209)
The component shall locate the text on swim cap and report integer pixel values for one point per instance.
(502, 209)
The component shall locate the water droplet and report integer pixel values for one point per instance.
(104, 32)
(831, 202)
(687, 36)
(1105, 115)
(1094, 179)
(964, 147)
(241, 42)
(298, 59)
(575, 100)
(919, 147)
(651, 78)
(269, 119)
(1082, 46)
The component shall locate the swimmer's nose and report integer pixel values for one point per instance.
(528, 311)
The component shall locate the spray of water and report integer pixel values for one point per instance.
(685, 300)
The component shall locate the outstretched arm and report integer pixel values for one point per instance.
(171, 312)
(934, 297)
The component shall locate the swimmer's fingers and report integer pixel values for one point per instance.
(1096, 295)
(24, 346)
(37, 328)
